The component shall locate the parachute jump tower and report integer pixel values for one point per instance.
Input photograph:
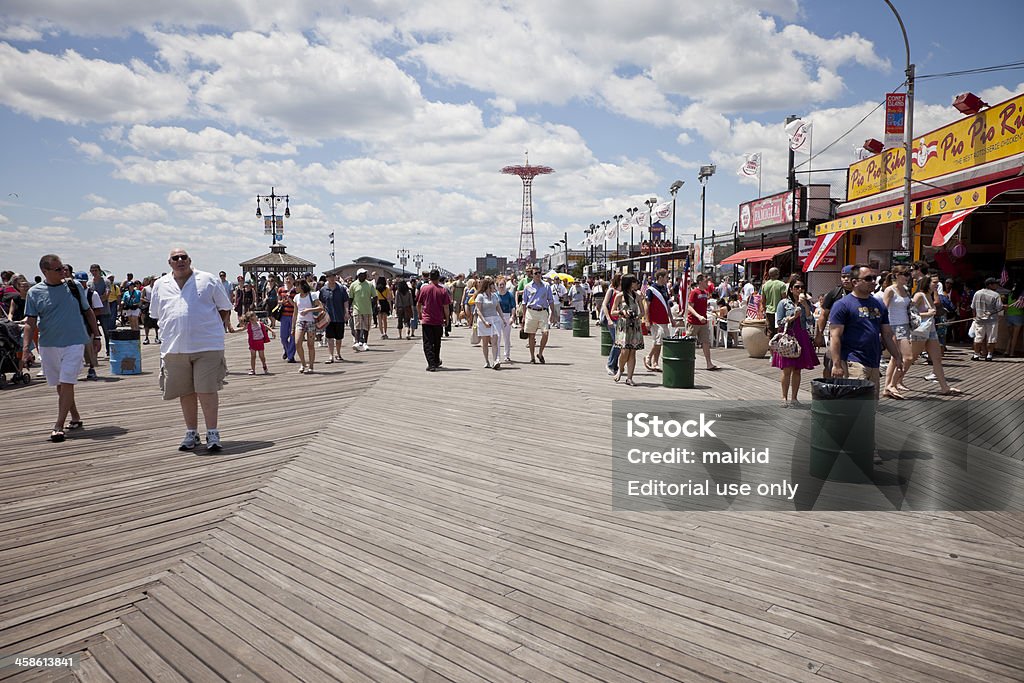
(527, 246)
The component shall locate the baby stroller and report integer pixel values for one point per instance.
(10, 354)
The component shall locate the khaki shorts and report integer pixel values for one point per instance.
(985, 332)
(536, 321)
(363, 322)
(182, 374)
(857, 371)
(659, 331)
(701, 332)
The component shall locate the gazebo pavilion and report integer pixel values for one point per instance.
(277, 262)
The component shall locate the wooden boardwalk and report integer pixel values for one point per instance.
(378, 523)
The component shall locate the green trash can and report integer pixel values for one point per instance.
(677, 360)
(606, 342)
(842, 429)
(580, 324)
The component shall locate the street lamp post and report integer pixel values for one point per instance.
(273, 201)
(702, 177)
(618, 219)
(674, 189)
(650, 232)
(604, 233)
(631, 212)
(792, 188)
(403, 258)
(417, 260)
(333, 265)
(908, 140)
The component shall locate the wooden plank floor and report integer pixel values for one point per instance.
(387, 524)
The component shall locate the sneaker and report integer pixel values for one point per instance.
(364, 346)
(213, 440)
(190, 440)
(497, 365)
(930, 377)
(975, 356)
(988, 357)
(92, 373)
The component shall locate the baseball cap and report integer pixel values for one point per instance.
(82, 275)
(847, 270)
(361, 271)
(991, 281)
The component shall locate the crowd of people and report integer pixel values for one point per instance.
(65, 319)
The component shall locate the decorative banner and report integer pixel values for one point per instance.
(752, 165)
(269, 227)
(948, 225)
(776, 209)
(610, 232)
(819, 252)
(992, 134)
(798, 131)
(895, 117)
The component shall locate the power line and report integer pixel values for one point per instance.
(1009, 66)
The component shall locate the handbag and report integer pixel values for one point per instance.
(322, 320)
(474, 336)
(275, 313)
(785, 344)
(923, 330)
(523, 334)
(915, 316)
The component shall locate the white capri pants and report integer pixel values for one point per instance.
(505, 337)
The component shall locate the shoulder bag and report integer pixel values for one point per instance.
(784, 344)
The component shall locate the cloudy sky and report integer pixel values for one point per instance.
(132, 127)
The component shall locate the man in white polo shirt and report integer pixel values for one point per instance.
(193, 310)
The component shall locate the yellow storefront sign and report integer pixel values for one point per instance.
(993, 134)
(889, 214)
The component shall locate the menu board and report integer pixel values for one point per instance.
(1015, 240)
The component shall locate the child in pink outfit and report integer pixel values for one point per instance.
(258, 335)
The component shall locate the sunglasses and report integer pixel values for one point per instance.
(798, 286)
(867, 278)
(180, 257)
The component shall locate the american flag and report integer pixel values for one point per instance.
(1004, 277)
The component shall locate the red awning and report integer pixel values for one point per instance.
(821, 247)
(948, 225)
(754, 255)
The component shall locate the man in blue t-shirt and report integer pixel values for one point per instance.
(334, 297)
(859, 325)
(57, 308)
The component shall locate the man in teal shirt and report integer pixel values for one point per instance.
(772, 292)
(361, 291)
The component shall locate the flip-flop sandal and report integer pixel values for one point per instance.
(892, 394)
(952, 391)
(74, 424)
(56, 436)
(714, 367)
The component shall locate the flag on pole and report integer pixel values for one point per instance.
(798, 131)
(1004, 277)
(661, 211)
(610, 232)
(752, 165)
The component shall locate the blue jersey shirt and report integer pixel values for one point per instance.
(58, 313)
(862, 321)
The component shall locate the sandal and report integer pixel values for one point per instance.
(617, 377)
(629, 382)
(647, 364)
(952, 391)
(56, 436)
(889, 393)
(74, 424)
